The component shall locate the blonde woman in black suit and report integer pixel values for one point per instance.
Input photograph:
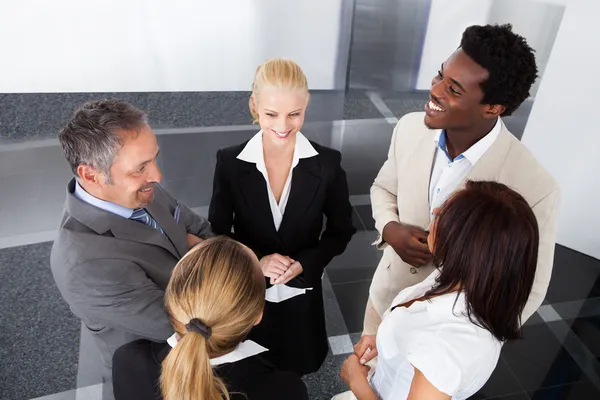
(272, 194)
(214, 298)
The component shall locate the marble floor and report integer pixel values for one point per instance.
(42, 351)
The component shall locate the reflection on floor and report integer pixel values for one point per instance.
(41, 349)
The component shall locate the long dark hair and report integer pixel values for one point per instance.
(486, 243)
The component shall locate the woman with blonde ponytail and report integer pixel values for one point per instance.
(272, 193)
(215, 297)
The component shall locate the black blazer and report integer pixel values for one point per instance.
(240, 204)
(137, 366)
(292, 330)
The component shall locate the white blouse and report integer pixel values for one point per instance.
(436, 337)
(243, 350)
(253, 153)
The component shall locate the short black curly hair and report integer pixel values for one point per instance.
(508, 59)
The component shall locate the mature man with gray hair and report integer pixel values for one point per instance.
(121, 233)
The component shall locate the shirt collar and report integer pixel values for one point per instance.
(420, 289)
(253, 151)
(84, 196)
(475, 152)
(243, 350)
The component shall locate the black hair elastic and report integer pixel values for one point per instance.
(195, 325)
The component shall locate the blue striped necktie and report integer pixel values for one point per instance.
(141, 215)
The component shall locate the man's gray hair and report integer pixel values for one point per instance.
(91, 138)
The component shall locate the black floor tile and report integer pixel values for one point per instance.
(352, 298)
(571, 310)
(501, 383)
(186, 109)
(365, 144)
(402, 103)
(358, 262)
(588, 331)
(326, 382)
(575, 276)
(352, 274)
(516, 396)
(402, 107)
(539, 360)
(39, 336)
(192, 192)
(334, 321)
(366, 216)
(194, 155)
(535, 319)
(356, 220)
(360, 180)
(578, 391)
(325, 105)
(40, 115)
(358, 106)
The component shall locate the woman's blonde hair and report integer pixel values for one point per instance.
(219, 284)
(279, 73)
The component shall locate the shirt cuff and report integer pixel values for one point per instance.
(380, 223)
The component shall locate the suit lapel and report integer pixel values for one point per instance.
(175, 234)
(489, 166)
(254, 190)
(305, 184)
(102, 221)
(415, 180)
(137, 232)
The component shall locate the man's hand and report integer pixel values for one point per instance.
(193, 240)
(293, 271)
(409, 242)
(275, 265)
(366, 349)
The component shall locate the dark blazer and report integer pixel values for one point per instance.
(292, 330)
(113, 271)
(137, 366)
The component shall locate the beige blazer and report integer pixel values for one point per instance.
(401, 193)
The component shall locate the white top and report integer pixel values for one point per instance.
(447, 173)
(253, 153)
(436, 337)
(243, 350)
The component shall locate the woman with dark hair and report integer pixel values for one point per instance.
(441, 338)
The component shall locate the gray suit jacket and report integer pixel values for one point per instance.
(113, 271)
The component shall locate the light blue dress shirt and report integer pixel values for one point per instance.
(84, 196)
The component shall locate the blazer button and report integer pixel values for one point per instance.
(413, 270)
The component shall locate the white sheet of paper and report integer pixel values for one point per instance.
(279, 293)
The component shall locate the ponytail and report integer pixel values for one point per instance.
(215, 295)
(187, 373)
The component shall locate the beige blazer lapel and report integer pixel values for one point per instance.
(489, 166)
(414, 202)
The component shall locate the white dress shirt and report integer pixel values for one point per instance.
(243, 350)
(253, 153)
(448, 173)
(436, 337)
